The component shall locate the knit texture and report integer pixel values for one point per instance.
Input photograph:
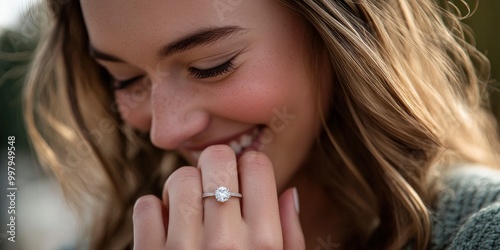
(467, 214)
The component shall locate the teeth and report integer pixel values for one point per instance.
(235, 146)
(245, 141)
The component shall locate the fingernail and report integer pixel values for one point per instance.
(296, 200)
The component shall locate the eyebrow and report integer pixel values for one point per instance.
(204, 36)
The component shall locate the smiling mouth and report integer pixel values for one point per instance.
(244, 142)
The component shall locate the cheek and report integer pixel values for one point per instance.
(251, 97)
(134, 107)
(260, 88)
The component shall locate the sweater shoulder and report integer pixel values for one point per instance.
(467, 212)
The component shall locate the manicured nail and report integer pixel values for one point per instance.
(296, 200)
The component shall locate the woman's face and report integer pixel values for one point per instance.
(235, 72)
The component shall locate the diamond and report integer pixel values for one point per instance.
(222, 194)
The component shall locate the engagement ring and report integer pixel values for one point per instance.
(222, 194)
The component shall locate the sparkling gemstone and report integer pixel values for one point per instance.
(222, 194)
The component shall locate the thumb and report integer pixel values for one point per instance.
(293, 238)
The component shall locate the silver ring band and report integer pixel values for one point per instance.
(222, 194)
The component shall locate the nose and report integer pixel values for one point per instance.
(177, 115)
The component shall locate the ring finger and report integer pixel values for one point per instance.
(218, 169)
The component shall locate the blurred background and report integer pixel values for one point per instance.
(42, 218)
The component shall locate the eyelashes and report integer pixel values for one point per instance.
(124, 84)
(216, 71)
(212, 72)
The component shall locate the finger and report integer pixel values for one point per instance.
(182, 195)
(293, 237)
(149, 230)
(260, 199)
(218, 168)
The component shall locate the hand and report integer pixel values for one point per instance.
(184, 221)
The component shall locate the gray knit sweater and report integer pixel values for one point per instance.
(467, 214)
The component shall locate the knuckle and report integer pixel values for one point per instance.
(183, 183)
(183, 175)
(144, 206)
(265, 246)
(179, 244)
(256, 159)
(222, 243)
(267, 241)
(217, 152)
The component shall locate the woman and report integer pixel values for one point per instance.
(363, 110)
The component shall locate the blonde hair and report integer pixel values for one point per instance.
(407, 96)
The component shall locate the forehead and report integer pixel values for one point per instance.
(114, 25)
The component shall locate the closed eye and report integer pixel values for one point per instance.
(222, 69)
(212, 72)
(126, 83)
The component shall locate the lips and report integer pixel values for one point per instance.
(239, 143)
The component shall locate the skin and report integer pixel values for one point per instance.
(270, 84)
